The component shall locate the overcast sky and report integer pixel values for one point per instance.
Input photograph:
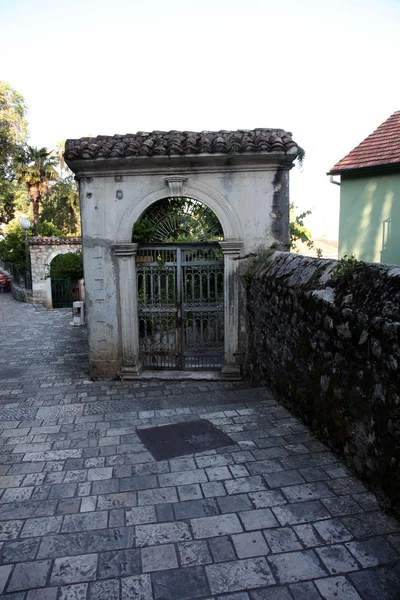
(328, 71)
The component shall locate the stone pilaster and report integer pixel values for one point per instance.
(231, 250)
(127, 292)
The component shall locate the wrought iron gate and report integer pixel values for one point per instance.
(62, 293)
(181, 306)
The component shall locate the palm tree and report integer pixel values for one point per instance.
(60, 148)
(36, 168)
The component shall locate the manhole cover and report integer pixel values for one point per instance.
(178, 439)
(11, 373)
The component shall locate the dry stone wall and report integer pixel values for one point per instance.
(330, 347)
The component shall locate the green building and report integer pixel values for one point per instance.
(369, 225)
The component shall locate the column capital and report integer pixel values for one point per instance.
(125, 249)
(231, 246)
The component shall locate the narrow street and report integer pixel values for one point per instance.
(87, 513)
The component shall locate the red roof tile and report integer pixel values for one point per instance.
(380, 148)
(56, 240)
(179, 143)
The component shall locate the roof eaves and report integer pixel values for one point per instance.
(358, 169)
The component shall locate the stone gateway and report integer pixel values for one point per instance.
(242, 176)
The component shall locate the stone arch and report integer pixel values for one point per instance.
(42, 251)
(202, 192)
(125, 250)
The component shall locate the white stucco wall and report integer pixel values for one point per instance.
(251, 202)
(42, 251)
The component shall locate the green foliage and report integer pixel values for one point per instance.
(143, 231)
(67, 266)
(21, 197)
(300, 233)
(13, 127)
(27, 173)
(177, 220)
(12, 247)
(7, 209)
(48, 229)
(347, 266)
(61, 206)
(301, 156)
(13, 197)
(36, 169)
(13, 133)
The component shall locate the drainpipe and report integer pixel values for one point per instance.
(333, 181)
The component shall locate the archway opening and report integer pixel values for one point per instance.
(66, 273)
(180, 286)
(177, 219)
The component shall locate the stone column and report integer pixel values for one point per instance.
(127, 293)
(231, 252)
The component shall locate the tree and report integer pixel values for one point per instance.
(61, 206)
(177, 219)
(12, 246)
(67, 266)
(60, 148)
(299, 232)
(36, 169)
(13, 133)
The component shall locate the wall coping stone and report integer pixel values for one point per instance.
(55, 240)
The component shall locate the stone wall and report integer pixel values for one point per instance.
(42, 252)
(18, 290)
(20, 293)
(330, 347)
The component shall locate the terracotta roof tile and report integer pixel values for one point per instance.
(380, 148)
(54, 240)
(169, 143)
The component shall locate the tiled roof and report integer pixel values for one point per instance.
(58, 241)
(380, 148)
(159, 143)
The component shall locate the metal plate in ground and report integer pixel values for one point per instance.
(168, 441)
(11, 372)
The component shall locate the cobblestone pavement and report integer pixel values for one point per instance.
(86, 513)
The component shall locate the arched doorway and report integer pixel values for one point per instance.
(180, 286)
(65, 271)
(43, 250)
(243, 176)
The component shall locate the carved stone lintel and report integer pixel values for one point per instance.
(175, 184)
(125, 249)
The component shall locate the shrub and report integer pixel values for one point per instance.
(67, 266)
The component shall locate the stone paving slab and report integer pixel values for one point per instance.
(87, 513)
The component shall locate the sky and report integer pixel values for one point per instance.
(328, 71)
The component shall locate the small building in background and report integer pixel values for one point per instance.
(370, 196)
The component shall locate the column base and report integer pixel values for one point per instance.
(131, 371)
(232, 372)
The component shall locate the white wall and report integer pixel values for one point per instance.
(41, 255)
(252, 203)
